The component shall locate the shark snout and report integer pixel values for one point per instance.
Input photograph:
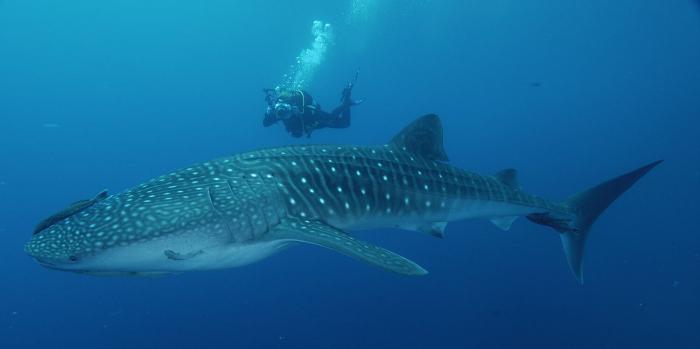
(47, 264)
(61, 263)
(44, 263)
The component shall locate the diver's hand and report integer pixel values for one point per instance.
(346, 98)
(357, 102)
(269, 119)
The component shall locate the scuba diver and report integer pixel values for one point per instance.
(301, 115)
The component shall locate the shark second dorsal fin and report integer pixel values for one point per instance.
(422, 137)
(508, 177)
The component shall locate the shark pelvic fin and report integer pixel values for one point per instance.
(422, 137)
(181, 256)
(503, 223)
(509, 177)
(436, 229)
(322, 234)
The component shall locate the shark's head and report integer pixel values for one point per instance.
(158, 248)
(66, 246)
(132, 233)
(159, 226)
(101, 243)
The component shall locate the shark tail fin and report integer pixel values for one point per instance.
(587, 206)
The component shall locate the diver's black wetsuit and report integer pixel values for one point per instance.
(311, 116)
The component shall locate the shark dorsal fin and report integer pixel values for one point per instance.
(509, 177)
(422, 137)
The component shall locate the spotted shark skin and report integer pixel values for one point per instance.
(239, 209)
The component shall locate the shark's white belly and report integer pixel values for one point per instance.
(192, 251)
(228, 256)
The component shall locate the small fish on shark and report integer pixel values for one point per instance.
(239, 209)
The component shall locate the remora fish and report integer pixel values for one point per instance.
(237, 210)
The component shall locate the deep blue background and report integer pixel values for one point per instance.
(107, 94)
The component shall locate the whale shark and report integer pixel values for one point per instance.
(239, 209)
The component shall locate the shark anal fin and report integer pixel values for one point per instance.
(321, 234)
(422, 137)
(503, 223)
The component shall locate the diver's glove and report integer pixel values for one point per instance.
(345, 95)
(346, 98)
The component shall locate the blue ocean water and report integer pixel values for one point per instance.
(107, 94)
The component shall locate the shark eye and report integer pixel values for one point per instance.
(73, 258)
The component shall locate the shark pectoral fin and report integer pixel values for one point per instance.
(321, 234)
(181, 256)
(503, 223)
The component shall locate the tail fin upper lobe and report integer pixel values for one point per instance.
(587, 206)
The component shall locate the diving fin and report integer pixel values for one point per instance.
(322, 234)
